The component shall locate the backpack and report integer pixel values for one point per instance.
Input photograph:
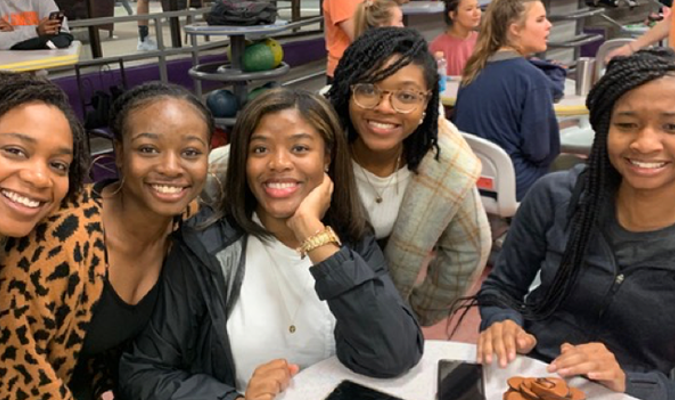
(236, 12)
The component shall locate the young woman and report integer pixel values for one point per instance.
(43, 153)
(376, 13)
(602, 238)
(85, 281)
(459, 40)
(416, 176)
(503, 97)
(285, 274)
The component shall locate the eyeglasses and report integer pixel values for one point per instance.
(404, 101)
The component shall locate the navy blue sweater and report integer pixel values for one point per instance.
(629, 308)
(510, 103)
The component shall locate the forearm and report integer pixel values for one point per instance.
(376, 333)
(658, 32)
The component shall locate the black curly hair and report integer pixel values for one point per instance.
(147, 93)
(364, 62)
(19, 89)
(599, 182)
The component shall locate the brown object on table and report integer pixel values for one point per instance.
(548, 388)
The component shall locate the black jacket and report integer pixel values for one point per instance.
(184, 353)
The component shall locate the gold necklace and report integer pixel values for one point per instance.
(378, 195)
(303, 296)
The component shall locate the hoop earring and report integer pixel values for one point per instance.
(116, 191)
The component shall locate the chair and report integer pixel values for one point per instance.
(603, 50)
(497, 182)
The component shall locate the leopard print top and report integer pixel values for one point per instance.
(50, 282)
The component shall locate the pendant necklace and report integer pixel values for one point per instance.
(378, 195)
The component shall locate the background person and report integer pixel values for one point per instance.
(457, 43)
(504, 98)
(376, 13)
(339, 27)
(601, 237)
(21, 20)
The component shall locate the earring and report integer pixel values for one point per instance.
(424, 114)
(325, 168)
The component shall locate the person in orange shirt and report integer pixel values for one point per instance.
(23, 20)
(339, 26)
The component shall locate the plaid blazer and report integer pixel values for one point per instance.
(441, 210)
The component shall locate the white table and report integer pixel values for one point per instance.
(317, 381)
(32, 60)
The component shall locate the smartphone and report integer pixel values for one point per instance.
(460, 380)
(348, 390)
(57, 15)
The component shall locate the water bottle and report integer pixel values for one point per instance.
(442, 70)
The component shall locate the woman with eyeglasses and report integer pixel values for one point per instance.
(416, 175)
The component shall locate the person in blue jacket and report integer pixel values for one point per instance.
(504, 98)
(602, 236)
(284, 274)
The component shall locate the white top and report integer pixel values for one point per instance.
(391, 189)
(277, 292)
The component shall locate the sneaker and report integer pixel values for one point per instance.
(146, 45)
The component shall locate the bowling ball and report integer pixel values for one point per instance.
(260, 89)
(258, 57)
(222, 103)
(277, 50)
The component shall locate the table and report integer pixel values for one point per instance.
(317, 381)
(31, 60)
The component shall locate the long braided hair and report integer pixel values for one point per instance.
(364, 62)
(599, 182)
(19, 89)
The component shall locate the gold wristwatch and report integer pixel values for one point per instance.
(321, 238)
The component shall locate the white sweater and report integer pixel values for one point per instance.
(24, 16)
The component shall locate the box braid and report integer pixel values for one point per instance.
(600, 180)
(19, 89)
(363, 62)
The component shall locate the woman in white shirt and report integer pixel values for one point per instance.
(285, 274)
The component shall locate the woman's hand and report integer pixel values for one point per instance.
(270, 379)
(593, 360)
(504, 339)
(5, 26)
(307, 218)
(625, 51)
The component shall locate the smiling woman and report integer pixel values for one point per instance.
(601, 237)
(415, 174)
(286, 274)
(42, 152)
(96, 261)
